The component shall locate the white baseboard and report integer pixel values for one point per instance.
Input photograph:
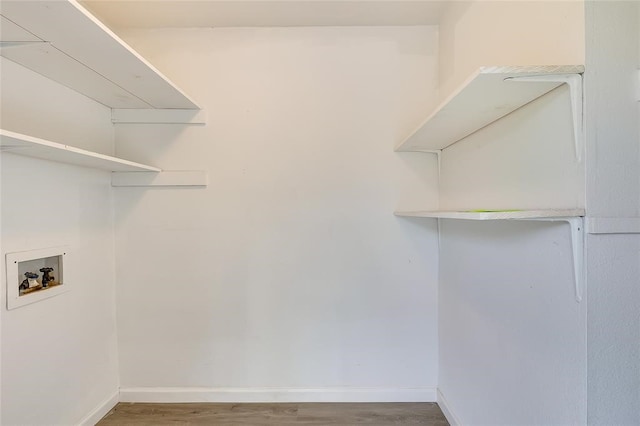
(100, 411)
(446, 410)
(277, 395)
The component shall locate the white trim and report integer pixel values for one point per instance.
(447, 411)
(613, 225)
(100, 411)
(196, 394)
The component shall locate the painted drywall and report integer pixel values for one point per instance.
(490, 33)
(125, 14)
(526, 160)
(512, 336)
(592, 348)
(611, 86)
(33, 105)
(613, 190)
(59, 355)
(289, 271)
(613, 329)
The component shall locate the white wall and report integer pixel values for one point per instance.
(512, 336)
(527, 160)
(583, 368)
(491, 33)
(512, 340)
(613, 191)
(289, 271)
(59, 355)
(35, 106)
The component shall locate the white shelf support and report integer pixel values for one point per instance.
(192, 178)
(437, 153)
(574, 81)
(574, 217)
(577, 247)
(158, 116)
(638, 86)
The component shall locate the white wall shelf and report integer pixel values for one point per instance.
(494, 215)
(574, 217)
(486, 96)
(30, 146)
(80, 52)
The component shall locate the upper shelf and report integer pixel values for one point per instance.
(30, 146)
(64, 42)
(496, 215)
(482, 99)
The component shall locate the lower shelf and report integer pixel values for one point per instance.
(494, 215)
(574, 217)
(19, 144)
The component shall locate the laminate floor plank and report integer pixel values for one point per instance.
(344, 414)
(372, 414)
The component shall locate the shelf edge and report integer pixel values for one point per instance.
(158, 116)
(494, 215)
(508, 71)
(67, 152)
(131, 50)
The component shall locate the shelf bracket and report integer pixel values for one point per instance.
(438, 154)
(186, 178)
(158, 116)
(577, 248)
(574, 81)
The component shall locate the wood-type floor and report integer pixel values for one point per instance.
(345, 414)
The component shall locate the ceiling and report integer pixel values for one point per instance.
(122, 14)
